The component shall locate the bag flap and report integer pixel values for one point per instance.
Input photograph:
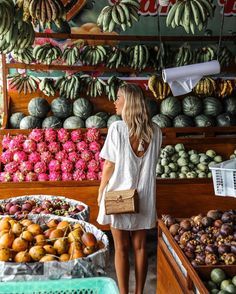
(120, 195)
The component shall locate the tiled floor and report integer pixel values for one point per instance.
(150, 286)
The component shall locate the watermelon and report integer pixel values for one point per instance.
(52, 122)
(62, 107)
(203, 120)
(192, 106)
(30, 122)
(182, 121)
(82, 108)
(226, 120)
(15, 120)
(38, 107)
(230, 105)
(73, 122)
(95, 122)
(162, 121)
(171, 107)
(212, 106)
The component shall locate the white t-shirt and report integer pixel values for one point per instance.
(117, 148)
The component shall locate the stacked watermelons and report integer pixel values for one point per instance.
(193, 111)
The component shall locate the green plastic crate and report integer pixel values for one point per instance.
(73, 286)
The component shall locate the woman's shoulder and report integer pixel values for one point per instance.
(156, 129)
(117, 125)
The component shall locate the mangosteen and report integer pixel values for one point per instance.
(226, 230)
(205, 239)
(46, 204)
(226, 217)
(189, 254)
(223, 249)
(214, 214)
(200, 248)
(195, 229)
(177, 238)
(207, 221)
(200, 258)
(210, 248)
(185, 238)
(174, 229)
(211, 259)
(194, 263)
(8, 206)
(218, 223)
(229, 258)
(197, 219)
(168, 220)
(191, 245)
(233, 249)
(185, 224)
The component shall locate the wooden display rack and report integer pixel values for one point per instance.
(179, 197)
(174, 271)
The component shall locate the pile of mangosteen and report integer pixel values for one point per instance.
(206, 240)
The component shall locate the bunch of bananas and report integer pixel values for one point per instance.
(46, 53)
(7, 11)
(71, 55)
(94, 86)
(25, 83)
(224, 88)
(93, 55)
(25, 56)
(43, 12)
(190, 14)
(205, 54)
(225, 56)
(158, 87)
(205, 87)
(183, 56)
(20, 35)
(138, 56)
(116, 58)
(68, 86)
(47, 87)
(159, 55)
(122, 13)
(112, 87)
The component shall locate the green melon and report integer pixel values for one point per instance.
(30, 122)
(38, 107)
(82, 108)
(15, 120)
(62, 107)
(73, 122)
(95, 122)
(52, 122)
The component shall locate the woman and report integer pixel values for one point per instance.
(132, 146)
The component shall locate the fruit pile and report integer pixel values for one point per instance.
(206, 240)
(52, 155)
(58, 206)
(27, 241)
(220, 283)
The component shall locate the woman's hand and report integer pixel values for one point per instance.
(99, 197)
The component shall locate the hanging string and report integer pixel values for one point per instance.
(221, 30)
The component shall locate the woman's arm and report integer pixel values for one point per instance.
(108, 169)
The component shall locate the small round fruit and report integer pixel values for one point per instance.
(47, 258)
(231, 289)
(40, 240)
(26, 222)
(89, 239)
(35, 229)
(37, 252)
(26, 235)
(5, 254)
(77, 253)
(50, 249)
(19, 244)
(22, 256)
(61, 246)
(217, 275)
(7, 239)
(4, 224)
(224, 284)
(64, 257)
(63, 225)
(89, 250)
(17, 229)
(75, 235)
(52, 223)
(55, 234)
(48, 232)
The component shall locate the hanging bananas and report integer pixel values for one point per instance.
(184, 56)
(69, 86)
(71, 55)
(205, 87)
(25, 56)
(225, 56)
(46, 53)
(190, 14)
(26, 83)
(112, 87)
(121, 14)
(7, 11)
(43, 12)
(116, 58)
(159, 56)
(47, 87)
(158, 87)
(94, 86)
(93, 55)
(138, 56)
(205, 54)
(224, 88)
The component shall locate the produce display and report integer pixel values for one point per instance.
(158, 87)
(94, 86)
(138, 56)
(68, 86)
(184, 55)
(27, 241)
(121, 14)
(20, 207)
(46, 53)
(71, 55)
(93, 55)
(47, 86)
(52, 155)
(190, 14)
(221, 283)
(206, 239)
(116, 58)
(25, 83)
(24, 56)
(176, 162)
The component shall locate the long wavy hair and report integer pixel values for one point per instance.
(135, 113)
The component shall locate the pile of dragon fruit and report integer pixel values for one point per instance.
(52, 155)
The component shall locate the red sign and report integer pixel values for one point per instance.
(149, 7)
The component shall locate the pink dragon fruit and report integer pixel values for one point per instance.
(26, 167)
(11, 167)
(54, 166)
(54, 147)
(55, 176)
(101, 141)
(34, 157)
(16, 144)
(50, 135)
(61, 155)
(5, 177)
(37, 135)
(81, 165)
(94, 147)
(67, 166)
(81, 146)
(76, 136)
(69, 146)
(40, 167)
(67, 177)
(100, 176)
(43, 177)
(46, 157)
(92, 134)
(20, 156)
(79, 175)
(102, 164)
(87, 155)
(31, 177)
(6, 157)
(29, 146)
(97, 156)
(73, 156)
(63, 135)
(92, 176)
(42, 147)
(93, 166)
(6, 141)
(18, 177)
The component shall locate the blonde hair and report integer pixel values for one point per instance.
(135, 113)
